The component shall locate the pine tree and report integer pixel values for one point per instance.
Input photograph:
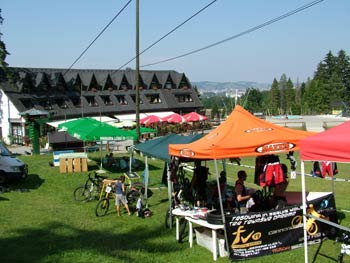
(5, 72)
(282, 85)
(274, 97)
(289, 96)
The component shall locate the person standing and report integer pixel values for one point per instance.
(120, 196)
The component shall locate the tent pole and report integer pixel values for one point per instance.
(220, 199)
(303, 192)
(332, 178)
(146, 180)
(101, 155)
(130, 158)
(169, 197)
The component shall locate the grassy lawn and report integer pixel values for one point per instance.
(45, 224)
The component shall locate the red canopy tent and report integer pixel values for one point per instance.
(194, 116)
(150, 119)
(331, 145)
(174, 118)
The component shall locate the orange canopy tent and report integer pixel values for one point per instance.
(242, 134)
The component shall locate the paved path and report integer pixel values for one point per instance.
(313, 123)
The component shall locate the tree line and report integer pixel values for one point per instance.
(328, 89)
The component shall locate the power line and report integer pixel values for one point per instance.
(240, 34)
(167, 34)
(103, 30)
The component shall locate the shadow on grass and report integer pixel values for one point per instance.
(37, 244)
(4, 199)
(33, 181)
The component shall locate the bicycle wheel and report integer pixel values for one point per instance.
(95, 192)
(81, 194)
(102, 207)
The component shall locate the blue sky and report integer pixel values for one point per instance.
(52, 34)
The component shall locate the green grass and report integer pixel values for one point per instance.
(44, 224)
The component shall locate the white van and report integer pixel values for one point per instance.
(10, 167)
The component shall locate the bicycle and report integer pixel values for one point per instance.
(135, 191)
(91, 189)
(181, 193)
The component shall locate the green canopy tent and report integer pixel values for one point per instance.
(158, 148)
(88, 129)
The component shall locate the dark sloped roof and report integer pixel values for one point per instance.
(60, 91)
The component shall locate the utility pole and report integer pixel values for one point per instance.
(137, 97)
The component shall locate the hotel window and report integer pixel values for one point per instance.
(153, 98)
(107, 100)
(183, 98)
(121, 99)
(134, 99)
(91, 101)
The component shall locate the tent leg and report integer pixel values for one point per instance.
(130, 158)
(169, 197)
(146, 180)
(220, 202)
(303, 192)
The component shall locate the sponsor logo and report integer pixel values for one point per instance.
(244, 240)
(258, 130)
(275, 147)
(187, 153)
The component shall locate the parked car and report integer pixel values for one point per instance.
(11, 168)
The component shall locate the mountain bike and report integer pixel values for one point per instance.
(91, 189)
(133, 192)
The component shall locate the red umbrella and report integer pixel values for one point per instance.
(174, 118)
(150, 119)
(194, 116)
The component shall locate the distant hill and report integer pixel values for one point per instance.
(210, 86)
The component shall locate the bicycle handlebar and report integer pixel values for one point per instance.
(96, 176)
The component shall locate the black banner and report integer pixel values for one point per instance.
(264, 233)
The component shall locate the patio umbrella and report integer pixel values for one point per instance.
(174, 118)
(150, 119)
(194, 116)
